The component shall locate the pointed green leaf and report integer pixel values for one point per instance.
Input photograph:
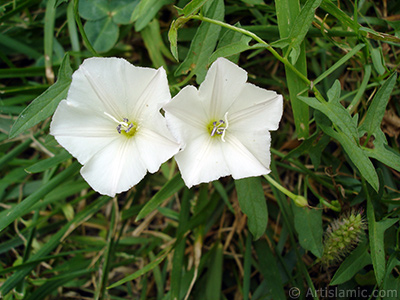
(376, 241)
(171, 187)
(357, 260)
(253, 203)
(301, 26)
(203, 43)
(308, 224)
(44, 106)
(355, 153)
(193, 6)
(376, 110)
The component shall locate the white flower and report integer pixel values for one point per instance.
(111, 122)
(224, 126)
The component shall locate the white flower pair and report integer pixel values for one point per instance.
(112, 123)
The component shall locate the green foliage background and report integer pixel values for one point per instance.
(337, 149)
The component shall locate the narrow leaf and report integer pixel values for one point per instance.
(193, 6)
(376, 110)
(300, 27)
(44, 106)
(203, 43)
(376, 241)
(357, 260)
(171, 187)
(355, 153)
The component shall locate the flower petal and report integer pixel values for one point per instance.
(223, 83)
(248, 154)
(115, 86)
(116, 168)
(81, 131)
(256, 108)
(148, 90)
(202, 161)
(188, 107)
(155, 148)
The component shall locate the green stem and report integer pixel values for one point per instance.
(298, 200)
(284, 60)
(82, 31)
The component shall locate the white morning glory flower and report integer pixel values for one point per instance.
(111, 122)
(223, 126)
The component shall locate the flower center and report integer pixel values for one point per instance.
(125, 127)
(218, 128)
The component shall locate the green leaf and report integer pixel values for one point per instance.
(233, 49)
(376, 110)
(339, 63)
(214, 274)
(300, 27)
(173, 39)
(25, 206)
(143, 270)
(376, 241)
(93, 10)
(193, 6)
(146, 11)
(355, 153)
(308, 224)
(330, 7)
(102, 34)
(269, 269)
(287, 12)
(377, 60)
(383, 152)
(335, 112)
(357, 260)
(372, 126)
(122, 10)
(253, 203)
(50, 286)
(49, 162)
(154, 44)
(52, 243)
(203, 43)
(44, 106)
(170, 188)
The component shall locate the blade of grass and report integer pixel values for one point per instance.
(287, 11)
(340, 62)
(49, 21)
(179, 252)
(25, 206)
(247, 267)
(54, 241)
(100, 292)
(73, 32)
(171, 187)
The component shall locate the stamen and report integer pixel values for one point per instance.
(220, 127)
(226, 127)
(116, 121)
(129, 127)
(123, 126)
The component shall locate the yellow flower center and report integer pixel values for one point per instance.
(127, 128)
(124, 127)
(218, 128)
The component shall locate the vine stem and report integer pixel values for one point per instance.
(81, 30)
(283, 60)
(297, 199)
